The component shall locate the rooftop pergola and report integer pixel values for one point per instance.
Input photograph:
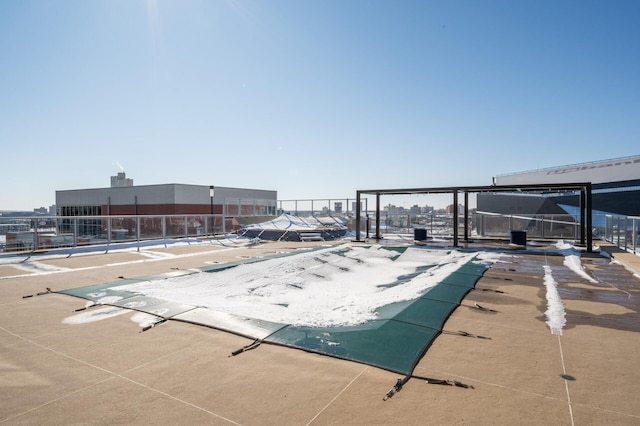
(584, 188)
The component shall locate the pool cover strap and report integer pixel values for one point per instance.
(249, 347)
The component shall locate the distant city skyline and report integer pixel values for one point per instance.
(624, 169)
(310, 99)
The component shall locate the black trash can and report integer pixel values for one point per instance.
(519, 238)
(419, 234)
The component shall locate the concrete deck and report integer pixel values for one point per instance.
(108, 372)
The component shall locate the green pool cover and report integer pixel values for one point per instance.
(403, 332)
(395, 341)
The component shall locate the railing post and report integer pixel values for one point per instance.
(138, 231)
(225, 213)
(35, 234)
(626, 227)
(619, 231)
(75, 231)
(633, 235)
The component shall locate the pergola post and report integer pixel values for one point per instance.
(589, 205)
(455, 218)
(466, 216)
(358, 215)
(377, 216)
(583, 209)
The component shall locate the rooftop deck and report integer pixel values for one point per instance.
(108, 372)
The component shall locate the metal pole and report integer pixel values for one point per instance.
(75, 231)
(466, 216)
(358, 215)
(108, 229)
(378, 216)
(589, 206)
(583, 209)
(635, 235)
(455, 218)
(368, 225)
(211, 194)
(432, 214)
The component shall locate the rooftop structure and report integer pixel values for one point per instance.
(171, 198)
(582, 188)
(621, 171)
(616, 185)
(120, 180)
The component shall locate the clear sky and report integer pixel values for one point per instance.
(313, 99)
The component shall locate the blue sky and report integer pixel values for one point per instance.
(313, 99)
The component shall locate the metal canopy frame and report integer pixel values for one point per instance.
(586, 222)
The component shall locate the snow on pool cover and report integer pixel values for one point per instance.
(339, 300)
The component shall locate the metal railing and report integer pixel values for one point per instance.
(50, 232)
(543, 226)
(623, 231)
(439, 224)
(330, 206)
(33, 233)
(20, 234)
(482, 224)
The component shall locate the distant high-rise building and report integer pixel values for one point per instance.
(121, 180)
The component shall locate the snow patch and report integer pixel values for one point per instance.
(145, 320)
(336, 286)
(94, 315)
(555, 308)
(572, 260)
